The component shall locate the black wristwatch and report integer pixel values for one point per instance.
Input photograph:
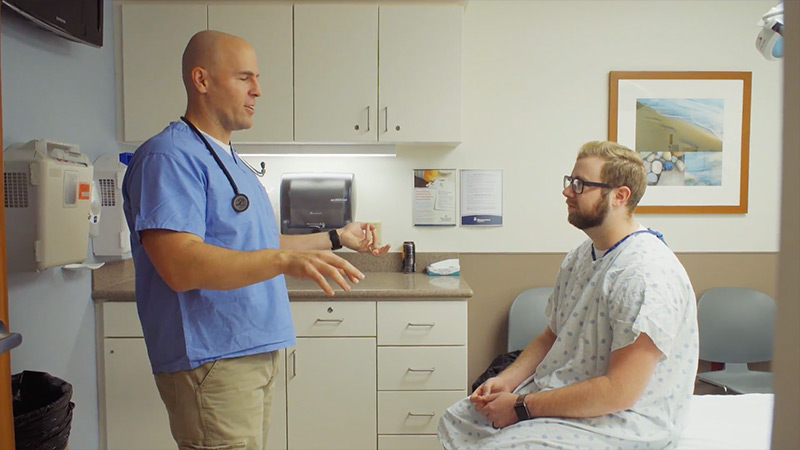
(521, 408)
(335, 243)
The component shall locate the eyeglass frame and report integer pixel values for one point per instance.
(572, 181)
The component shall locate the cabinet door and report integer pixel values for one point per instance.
(331, 394)
(336, 72)
(153, 39)
(420, 73)
(135, 415)
(268, 28)
(132, 402)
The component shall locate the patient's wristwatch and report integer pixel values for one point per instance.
(335, 243)
(521, 408)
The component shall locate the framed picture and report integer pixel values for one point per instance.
(693, 131)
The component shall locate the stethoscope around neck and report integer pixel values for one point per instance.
(240, 202)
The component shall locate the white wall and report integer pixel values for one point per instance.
(535, 88)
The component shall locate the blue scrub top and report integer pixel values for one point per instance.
(173, 182)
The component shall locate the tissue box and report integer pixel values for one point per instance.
(446, 267)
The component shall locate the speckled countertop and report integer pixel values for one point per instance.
(114, 282)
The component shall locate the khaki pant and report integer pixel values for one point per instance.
(223, 404)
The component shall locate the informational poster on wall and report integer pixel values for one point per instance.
(434, 197)
(482, 197)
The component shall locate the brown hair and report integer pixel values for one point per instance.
(623, 167)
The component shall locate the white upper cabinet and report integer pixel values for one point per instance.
(369, 73)
(268, 28)
(330, 72)
(336, 72)
(154, 36)
(420, 73)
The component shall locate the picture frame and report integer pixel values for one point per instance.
(693, 131)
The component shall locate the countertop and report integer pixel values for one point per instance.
(114, 282)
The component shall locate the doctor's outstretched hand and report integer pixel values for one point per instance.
(316, 265)
(361, 237)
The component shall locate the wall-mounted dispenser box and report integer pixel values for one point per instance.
(314, 202)
(47, 200)
(113, 237)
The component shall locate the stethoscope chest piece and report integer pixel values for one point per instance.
(240, 202)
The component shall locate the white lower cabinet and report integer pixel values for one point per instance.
(422, 369)
(363, 375)
(331, 388)
(132, 415)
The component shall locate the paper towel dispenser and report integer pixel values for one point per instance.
(47, 205)
(313, 202)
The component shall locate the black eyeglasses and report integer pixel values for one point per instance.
(578, 184)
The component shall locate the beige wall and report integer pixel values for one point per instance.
(496, 278)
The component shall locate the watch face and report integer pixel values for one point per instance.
(520, 409)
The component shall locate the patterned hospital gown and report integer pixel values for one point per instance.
(598, 307)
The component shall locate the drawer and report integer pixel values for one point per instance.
(333, 318)
(422, 323)
(121, 319)
(409, 442)
(413, 412)
(422, 368)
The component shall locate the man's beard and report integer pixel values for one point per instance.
(592, 219)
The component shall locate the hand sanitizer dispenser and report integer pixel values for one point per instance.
(113, 236)
(47, 200)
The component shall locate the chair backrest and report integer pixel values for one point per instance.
(526, 318)
(736, 325)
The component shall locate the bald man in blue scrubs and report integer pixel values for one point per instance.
(210, 262)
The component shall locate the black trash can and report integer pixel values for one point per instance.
(42, 411)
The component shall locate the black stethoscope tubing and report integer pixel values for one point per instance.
(240, 202)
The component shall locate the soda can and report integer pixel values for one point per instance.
(409, 256)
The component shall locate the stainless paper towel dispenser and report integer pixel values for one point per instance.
(314, 202)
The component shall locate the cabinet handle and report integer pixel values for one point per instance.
(367, 118)
(410, 414)
(330, 320)
(431, 370)
(385, 119)
(294, 363)
(429, 325)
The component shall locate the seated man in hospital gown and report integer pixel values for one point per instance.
(615, 366)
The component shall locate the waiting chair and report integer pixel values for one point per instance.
(526, 318)
(736, 327)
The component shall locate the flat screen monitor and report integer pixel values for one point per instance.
(76, 20)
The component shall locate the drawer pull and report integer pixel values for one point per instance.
(410, 414)
(431, 370)
(429, 325)
(330, 320)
